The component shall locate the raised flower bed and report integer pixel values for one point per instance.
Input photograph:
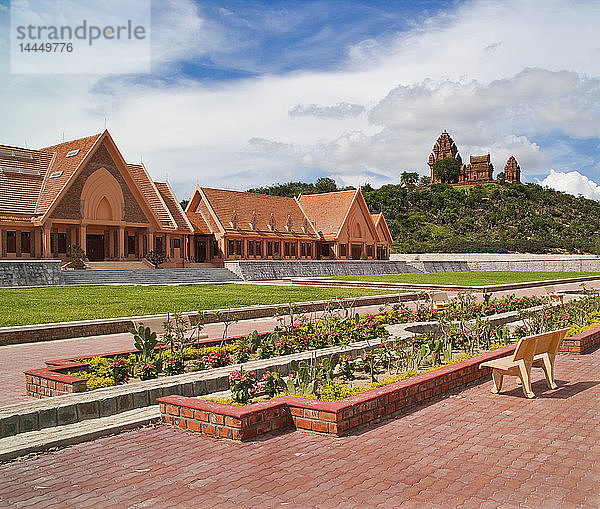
(329, 417)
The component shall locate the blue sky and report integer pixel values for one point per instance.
(251, 93)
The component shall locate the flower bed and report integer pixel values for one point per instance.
(302, 334)
(334, 418)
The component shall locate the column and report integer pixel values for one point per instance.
(121, 242)
(191, 242)
(55, 252)
(150, 241)
(137, 245)
(82, 237)
(46, 241)
(3, 242)
(18, 243)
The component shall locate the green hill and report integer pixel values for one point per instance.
(486, 218)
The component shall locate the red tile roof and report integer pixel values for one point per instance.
(21, 177)
(173, 205)
(152, 195)
(61, 163)
(262, 207)
(327, 211)
(198, 223)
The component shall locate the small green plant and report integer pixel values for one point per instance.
(145, 342)
(77, 257)
(302, 381)
(119, 370)
(243, 385)
(146, 370)
(156, 258)
(271, 384)
(174, 366)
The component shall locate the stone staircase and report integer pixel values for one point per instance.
(148, 276)
(127, 265)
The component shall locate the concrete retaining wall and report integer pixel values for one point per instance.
(278, 269)
(30, 273)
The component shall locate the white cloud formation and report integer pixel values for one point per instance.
(572, 182)
(340, 110)
(496, 76)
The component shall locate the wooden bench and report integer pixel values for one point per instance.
(546, 349)
(439, 301)
(552, 294)
(538, 350)
(156, 325)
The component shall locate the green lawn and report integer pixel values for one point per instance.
(23, 306)
(469, 278)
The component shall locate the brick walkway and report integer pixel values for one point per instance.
(14, 359)
(472, 450)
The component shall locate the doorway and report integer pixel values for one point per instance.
(200, 251)
(95, 247)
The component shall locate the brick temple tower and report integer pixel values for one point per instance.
(444, 147)
(512, 171)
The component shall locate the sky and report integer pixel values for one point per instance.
(250, 93)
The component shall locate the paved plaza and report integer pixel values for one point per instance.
(470, 450)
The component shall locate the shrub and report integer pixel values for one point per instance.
(242, 385)
(271, 384)
(156, 258)
(174, 366)
(77, 257)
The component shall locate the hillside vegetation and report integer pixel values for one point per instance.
(486, 218)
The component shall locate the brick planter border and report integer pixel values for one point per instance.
(341, 417)
(335, 418)
(582, 343)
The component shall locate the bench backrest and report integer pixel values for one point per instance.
(525, 349)
(550, 341)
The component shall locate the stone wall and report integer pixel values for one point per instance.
(254, 270)
(30, 273)
(278, 269)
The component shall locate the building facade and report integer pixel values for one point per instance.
(231, 225)
(82, 192)
(479, 170)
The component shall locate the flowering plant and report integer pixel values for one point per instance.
(174, 366)
(271, 384)
(119, 370)
(243, 385)
(146, 370)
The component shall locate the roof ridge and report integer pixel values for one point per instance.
(46, 149)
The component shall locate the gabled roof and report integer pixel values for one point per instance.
(63, 168)
(327, 211)
(173, 205)
(152, 195)
(262, 208)
(380, 222)
(198, 223)
(21, 177)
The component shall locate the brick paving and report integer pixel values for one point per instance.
(471, 450)
(14, 359)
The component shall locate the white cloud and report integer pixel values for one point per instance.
(496, 76)
(340, 110)
(572, 182)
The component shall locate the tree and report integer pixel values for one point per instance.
(425, 181)
(447, 170)
(184, 203)
(409, 178)
(325, 185)
(500, 177)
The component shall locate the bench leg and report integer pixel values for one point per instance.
(526, 381)
(548, 367)
(498, 377)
